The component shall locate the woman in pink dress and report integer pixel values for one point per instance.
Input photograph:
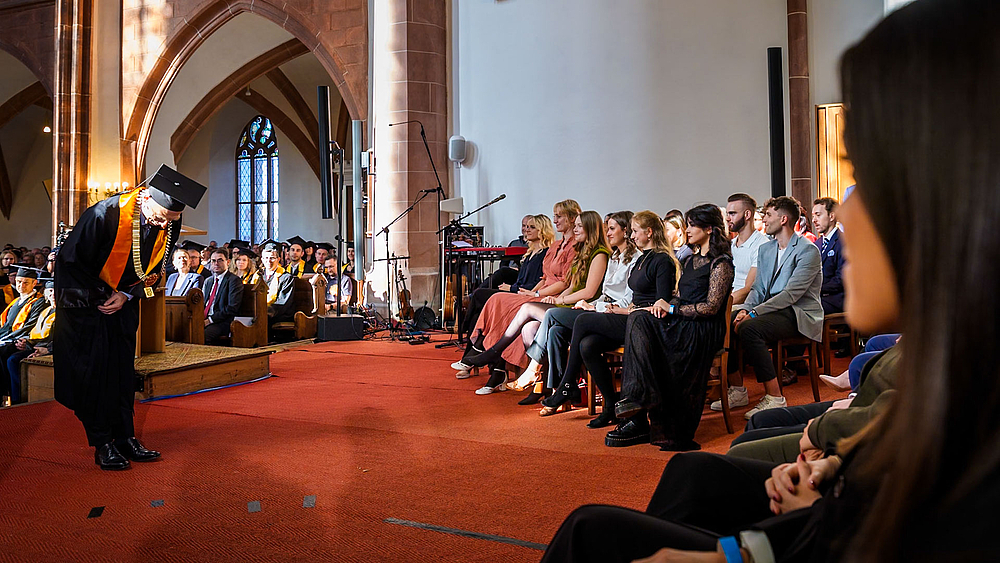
(501, 308)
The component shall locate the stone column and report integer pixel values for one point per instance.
(410, 84)
(799, 107)
(71, 110)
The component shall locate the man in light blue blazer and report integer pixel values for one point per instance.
(784, 302)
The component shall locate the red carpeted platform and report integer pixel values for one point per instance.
(373, 430)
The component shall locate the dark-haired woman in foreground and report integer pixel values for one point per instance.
(921, 482)
(669, 348)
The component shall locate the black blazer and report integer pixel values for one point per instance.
(227, 299)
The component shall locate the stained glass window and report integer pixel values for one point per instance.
(257, 182)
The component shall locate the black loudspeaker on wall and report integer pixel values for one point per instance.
(776, 114)
(345, 327)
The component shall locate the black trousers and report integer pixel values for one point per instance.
(778, 422)
(6, 351)
(593, 335)
(700, 498)
(215, 331)
(753, 338)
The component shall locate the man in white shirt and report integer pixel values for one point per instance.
(740, 211)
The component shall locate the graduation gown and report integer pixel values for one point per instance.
(20, 317)
(94, 353)
(280, 290)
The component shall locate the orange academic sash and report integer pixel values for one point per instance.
(22, 315)
(121, 252)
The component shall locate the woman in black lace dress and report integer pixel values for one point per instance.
(669, 347)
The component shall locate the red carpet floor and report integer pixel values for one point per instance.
(373, 430)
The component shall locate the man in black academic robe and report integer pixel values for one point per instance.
(94, 335)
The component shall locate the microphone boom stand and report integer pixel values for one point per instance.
(388, 272)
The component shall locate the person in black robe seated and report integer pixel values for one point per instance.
(280, 287)
(296, 263)
(223, 296)
(37, 343)
(113, 257)
(324, 251)
(19, 317)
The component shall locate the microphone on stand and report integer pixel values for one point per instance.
(498, 198)
(405, 122)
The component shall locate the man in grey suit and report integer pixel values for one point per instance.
(784, 302)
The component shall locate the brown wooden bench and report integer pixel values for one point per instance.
(309, 303)
(185, 317)
(253, 305)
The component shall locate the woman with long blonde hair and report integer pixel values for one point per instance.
(583, 282)
(538, 232)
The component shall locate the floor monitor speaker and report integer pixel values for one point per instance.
(345, 327)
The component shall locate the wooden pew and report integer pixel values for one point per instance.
(186, 317)
(254, 305)
(309, 304)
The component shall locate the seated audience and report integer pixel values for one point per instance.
(194, 258)
(223, 297)
(779, 435)
(583, 283)
(308, 254)
(825, 222)
(669, 347)
(331, 286)
(554, 333)
(280, 287)
(296, 265)
(324, 250)
(802, 225)
(783, 303)
(676, 231)
(244, 266)
(501, 308)
(654, 276)
(539, 234)
(37, 343)
(20, 316)
(348, 266)
(740, 211)
(183, 279)
(915, 484)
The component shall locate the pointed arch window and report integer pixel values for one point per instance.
(257, 182)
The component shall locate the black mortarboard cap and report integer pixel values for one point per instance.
(237, 243)
(325, 246)
(173, 190)
(26, 272)
(248, 253)
(271, 244)
(297, 240)
(191, 245)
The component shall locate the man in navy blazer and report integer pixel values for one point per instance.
(824, 218)
(223, 295)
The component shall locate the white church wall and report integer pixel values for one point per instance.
(835, 25)
(621, 105)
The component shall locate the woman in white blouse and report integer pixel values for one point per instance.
(559, 320)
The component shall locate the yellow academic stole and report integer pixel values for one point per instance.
(44, 325)
(22, 315)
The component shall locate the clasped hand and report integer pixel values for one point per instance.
(794, 485)
(113, 304)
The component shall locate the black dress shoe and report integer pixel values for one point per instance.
(628, 433)
(566, 394)
(109, 459)
(627, 408)
(133, 450)
(606, 418)
(533, 398)
(788, 377)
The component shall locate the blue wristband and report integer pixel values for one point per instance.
(731, 549)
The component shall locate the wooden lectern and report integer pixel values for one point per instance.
(152, 337)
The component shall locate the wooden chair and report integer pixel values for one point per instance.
(253, 305)
(721, 363)
(780, 355)
(185, 316)
(833, 326)
(309, 302)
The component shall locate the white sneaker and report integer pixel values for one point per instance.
(737, 398)
(767, 403)
(459, 366)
